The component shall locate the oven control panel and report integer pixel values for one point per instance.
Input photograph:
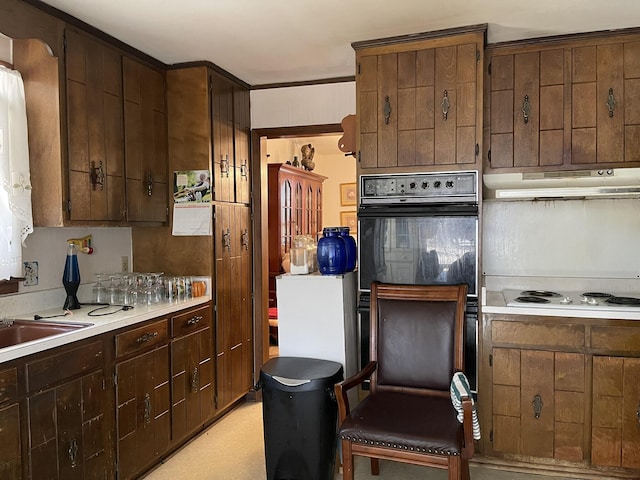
(420, 188)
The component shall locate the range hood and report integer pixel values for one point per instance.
(621, 182)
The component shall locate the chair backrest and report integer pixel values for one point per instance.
(417, 336)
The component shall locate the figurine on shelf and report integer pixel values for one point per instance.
(295, 162)
(307, 157)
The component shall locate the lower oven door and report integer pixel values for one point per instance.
(418, 245)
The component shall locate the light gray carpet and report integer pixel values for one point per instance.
(233, 449)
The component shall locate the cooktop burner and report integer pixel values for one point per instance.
(597, 295)
(540, 293)
(531, 299)
(627, 301)
(587, 301)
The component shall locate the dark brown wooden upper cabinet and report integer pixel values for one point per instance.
(94, 129)
(564, 103)
(419, 101)
(145, 136)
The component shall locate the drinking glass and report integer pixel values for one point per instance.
(99, 289)
(114, 290)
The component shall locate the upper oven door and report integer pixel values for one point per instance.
(418, 244)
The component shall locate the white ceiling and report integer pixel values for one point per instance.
(280, 41)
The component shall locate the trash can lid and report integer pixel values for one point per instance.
(298, 370)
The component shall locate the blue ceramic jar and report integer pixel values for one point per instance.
(350, 243)
(332, 252)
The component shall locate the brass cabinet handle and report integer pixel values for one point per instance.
(537, 406)
(526, 109)
(194, 320)
(73, 452)
(224, 166)
(445, 105)
(387, 110)
(146, 337)
(147, 408)
(245, 239)
(97, 176)
(611, 102)
(243, 169)
(194, 380)
(149, 182)
(226, 240)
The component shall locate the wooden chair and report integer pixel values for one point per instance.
(416, 345)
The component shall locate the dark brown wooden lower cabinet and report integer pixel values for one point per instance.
(191, 382)
(66, 431)
(10, 453)
(142, 411)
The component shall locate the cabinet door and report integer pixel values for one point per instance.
(223, 128)
(145, 134)
(615, 433)
(10, 439)
(538, 403)
(142, 410)
(597, 112)
(191, 382)
(527, 109)
(242, 141)
(95, 129)
(66, 431)
(418, 108)
(234, 347)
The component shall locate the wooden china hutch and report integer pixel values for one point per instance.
(295, 208)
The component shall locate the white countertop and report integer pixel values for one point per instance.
(100, 324)
(494, 302)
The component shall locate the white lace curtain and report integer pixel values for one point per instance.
(16, 220)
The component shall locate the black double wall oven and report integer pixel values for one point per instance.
(419, 229)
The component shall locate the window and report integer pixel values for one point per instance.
(15, 193)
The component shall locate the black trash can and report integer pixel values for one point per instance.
(300, 416)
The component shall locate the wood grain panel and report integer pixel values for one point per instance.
(425, 108)
(368, 112)
(502, 150)
(537, 380)
(569, 407)
(506, 434)
(584, 112)
(632, 60)
(551, 147)
(631, 102)
(406, 70)
(502, 73)
(568, 442)
(583, 146)
(8, 385)
(368, 73)
(466, 63)
(506, 400)
(551, 108)
(425, 68)
(583, 64)
(506, 366)
(631, 415)
(406, 109)
(558, 335)
(10, 439)
(552, 67)
(407, 148)
(610, 71)
(445, 130)
(387, 132)
(632, 143)
(569, 372)
(619, 339)
(67, 364)
(501, 112)
(606, 444)
(425, 147)
(527, 84)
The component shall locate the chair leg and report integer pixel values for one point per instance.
(464, 467)
(455, 468)
(347, 461)
(375, 466)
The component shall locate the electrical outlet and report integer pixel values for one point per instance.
(124, 264)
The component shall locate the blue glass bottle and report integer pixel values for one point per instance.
(332, 252)
(352, 251)
(71, 278)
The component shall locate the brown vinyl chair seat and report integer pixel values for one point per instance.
(406, 422)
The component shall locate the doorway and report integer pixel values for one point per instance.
(287, 142)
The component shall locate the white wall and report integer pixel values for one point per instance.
(595, 238)
(304, 105)
(48, 247)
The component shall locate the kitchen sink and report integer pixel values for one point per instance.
(14, 332)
